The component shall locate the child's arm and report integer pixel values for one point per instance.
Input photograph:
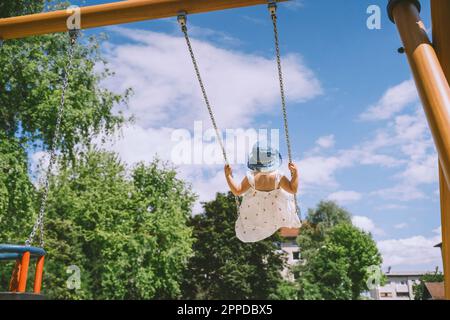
(237, 190)
(290, 186)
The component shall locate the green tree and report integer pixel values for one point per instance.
(317, 225)
(30, 89)
(17, 196)
(18, 8)
(328, 214)
(419, 288)
(16, 192)
(31, 83)
(336, 256)
(225, 268)
(286, 290)
(128, 235)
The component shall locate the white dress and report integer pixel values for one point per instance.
(262, 213)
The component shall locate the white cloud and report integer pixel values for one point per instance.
(391, 206)
(409, 136)
(393, 101)
(423, 171)
(403, 142)
(401, 225)
(157, 66)
(400, 192)
(240, 85)
(412, 251)
(136, 144)
(438, 231)
(293, 4)
(367, 225)
(345, 197)
(319, 171)
(326, 141)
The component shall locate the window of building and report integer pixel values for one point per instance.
(296, 255)
(386, 295)
(403, 294)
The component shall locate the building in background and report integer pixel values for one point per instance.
(399, 285)
(290, 248)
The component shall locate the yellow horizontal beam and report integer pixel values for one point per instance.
(112, 14)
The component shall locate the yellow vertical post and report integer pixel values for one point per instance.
(440, 13)
(445, 218)
(430, 80)
(433, 89)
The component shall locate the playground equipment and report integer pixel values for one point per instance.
(22, 254)
(101, 15)
(182, 20)
(430, 63)
(18, 283)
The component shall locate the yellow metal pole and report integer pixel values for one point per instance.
(445, 218)
(440, 12)
(433, 89)
(112, 14)
(430, 80)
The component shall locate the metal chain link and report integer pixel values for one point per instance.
(273, 14)
(182, 20)
(39, 224)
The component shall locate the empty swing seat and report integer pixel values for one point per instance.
(18, 283)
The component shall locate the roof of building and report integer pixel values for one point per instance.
(406, 273)
(289, 232)
(436, 290)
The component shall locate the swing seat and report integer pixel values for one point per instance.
(18, 283)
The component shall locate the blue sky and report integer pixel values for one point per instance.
(358, 131)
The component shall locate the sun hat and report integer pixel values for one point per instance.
(264, 158)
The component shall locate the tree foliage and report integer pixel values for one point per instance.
(17, 8)
(17, 194)
(328, 214)
(225, 268)
(31, 84)
(17, 198)
(336, 256)
(128, 235)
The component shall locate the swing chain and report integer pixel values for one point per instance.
(182, 20)
(273, 13)
(39, 224)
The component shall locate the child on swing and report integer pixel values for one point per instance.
(268, 197)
